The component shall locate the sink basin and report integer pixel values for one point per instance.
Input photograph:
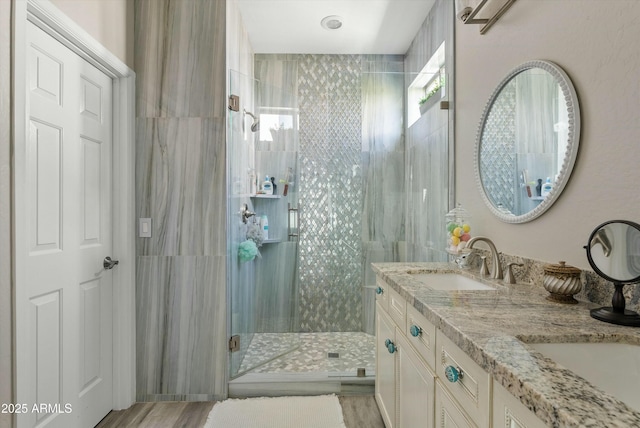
(612, 367)
(450, 281)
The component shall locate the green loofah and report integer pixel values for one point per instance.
(247, 251)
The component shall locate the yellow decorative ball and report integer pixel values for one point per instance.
(466, 228)
(455, 240)
(457, 232)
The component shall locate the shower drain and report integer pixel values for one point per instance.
(333, 355)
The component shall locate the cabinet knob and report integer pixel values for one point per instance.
(391, 347)
(379, 290)
(453, 373)
(415, 331)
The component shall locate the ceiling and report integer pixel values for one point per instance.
(369, 26)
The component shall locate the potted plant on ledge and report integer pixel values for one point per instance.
(430, 99)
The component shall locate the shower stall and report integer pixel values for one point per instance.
(330, 131)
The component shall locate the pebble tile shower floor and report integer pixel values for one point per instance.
(355, 350)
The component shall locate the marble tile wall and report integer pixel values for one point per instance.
(383, 154)
(429, 180)
(351, 125)
(181, 185)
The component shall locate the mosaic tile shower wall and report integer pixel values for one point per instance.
(351, 180)
(500, 181)
(330, 277)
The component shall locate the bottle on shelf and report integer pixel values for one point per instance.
(546, 188)
(267, 186)
(264, 224)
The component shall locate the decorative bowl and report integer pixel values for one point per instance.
(562, 282)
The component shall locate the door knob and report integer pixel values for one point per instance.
(108, 263)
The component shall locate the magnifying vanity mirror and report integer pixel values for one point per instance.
(613, 251)
(527, 141)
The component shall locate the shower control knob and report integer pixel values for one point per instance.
(379, 290)
(415, 331)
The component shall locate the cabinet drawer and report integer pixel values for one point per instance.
(382, 293)
(397, 307)
(422, 335)
(472, 389)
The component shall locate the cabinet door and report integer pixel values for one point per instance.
(508, 412)
(448, 414)
(416, 388)
(385, 368)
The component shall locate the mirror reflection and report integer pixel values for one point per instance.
(527, 141)
(614, 251)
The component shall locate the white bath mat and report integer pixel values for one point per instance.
(323, 411)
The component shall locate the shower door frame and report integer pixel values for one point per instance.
(238, 193)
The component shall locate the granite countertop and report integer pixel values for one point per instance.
(493, 328)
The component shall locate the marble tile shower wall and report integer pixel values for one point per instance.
(180, 184)
(428, 177)
(351, 172)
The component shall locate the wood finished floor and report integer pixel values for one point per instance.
(358, 411)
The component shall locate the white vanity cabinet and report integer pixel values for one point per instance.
(508, 412)
(448, 413)
(416, 388)
(423, 379)
(464, 380)
(405, 384)
(385, 366)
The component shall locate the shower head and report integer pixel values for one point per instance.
(255, 126)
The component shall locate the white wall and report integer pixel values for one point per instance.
(110, 22)
(596, 43)
(6, 326)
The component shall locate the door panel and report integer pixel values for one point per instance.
(94, 244)
(66, 336)
(46, 316)
(45, 154)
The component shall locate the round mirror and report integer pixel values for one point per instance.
(613, 251)
(527, 142)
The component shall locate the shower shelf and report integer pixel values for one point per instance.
(271, 241)
(266, 196)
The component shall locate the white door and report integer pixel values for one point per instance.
(64, 306)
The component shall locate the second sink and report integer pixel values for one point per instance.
(613, 367)
(449, 281)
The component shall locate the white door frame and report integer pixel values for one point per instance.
(44, 15)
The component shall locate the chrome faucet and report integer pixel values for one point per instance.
(495, 259)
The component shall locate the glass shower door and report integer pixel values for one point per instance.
(261, 140)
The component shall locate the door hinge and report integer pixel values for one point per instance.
(234, 343)
(234, 103)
